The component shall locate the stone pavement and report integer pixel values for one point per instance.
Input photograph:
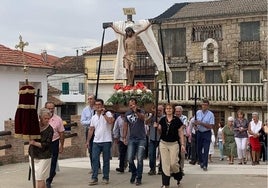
(74, 174)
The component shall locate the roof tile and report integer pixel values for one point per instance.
(221, 8)
(11, 57)
(111, 48)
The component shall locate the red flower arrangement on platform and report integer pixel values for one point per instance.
(122, 94)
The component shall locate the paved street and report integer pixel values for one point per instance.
(74, 173)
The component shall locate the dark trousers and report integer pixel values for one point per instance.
(54, 159)
(203, 142)
(166, 179)
(194, 156)
(152, 154)
(188, 148)
(122, 154)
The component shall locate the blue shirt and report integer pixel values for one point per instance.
(86, 116)
(118, 128)
(183, 119)
(205, 117)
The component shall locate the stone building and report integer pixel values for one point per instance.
(215, 50)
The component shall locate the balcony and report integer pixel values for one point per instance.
(72, 96)
(226, 94)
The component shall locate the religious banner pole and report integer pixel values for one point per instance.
(98, 76)
(21, 46)
(164, 61)
(156, 102)
(156, 108)
(26, 118)
(195, 105)
(36, 107)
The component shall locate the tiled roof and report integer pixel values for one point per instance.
(55, 100)
(52, 90)
(111, 48)
(170, 11)
(11, 57)
(69, 65)
(222, 8)
(43, 57)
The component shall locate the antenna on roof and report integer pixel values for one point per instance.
(82, 48)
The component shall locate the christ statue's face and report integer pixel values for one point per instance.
(129, 33)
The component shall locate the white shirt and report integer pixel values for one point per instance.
(103, 130)
(255, 127)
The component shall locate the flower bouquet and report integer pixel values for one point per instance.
(122, 94)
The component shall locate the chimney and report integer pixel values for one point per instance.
(44, 56)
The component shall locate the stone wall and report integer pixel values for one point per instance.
(228, 49)
(19, 151)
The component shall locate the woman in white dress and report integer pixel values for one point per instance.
(211, 146)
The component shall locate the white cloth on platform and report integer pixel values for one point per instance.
(148, 40)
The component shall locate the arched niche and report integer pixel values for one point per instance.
(215, 52)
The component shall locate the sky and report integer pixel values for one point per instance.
(61, 27)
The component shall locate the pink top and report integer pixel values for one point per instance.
(57, 125)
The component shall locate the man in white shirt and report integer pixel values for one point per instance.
(101, 125)
(85, 120)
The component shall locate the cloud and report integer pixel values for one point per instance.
(59, 26)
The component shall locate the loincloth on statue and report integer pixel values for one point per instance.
(129, 62)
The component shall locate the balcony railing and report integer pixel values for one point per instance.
(249, 50)
(221, 94)
(72, 92)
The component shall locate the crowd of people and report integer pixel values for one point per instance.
(170, 137)
(168, 134)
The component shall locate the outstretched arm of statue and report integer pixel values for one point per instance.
(116, 30)
(144, 29)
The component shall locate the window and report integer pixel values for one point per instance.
(144, 68)
(213, 76)
(251, 76)
(178, 77)
(250, 31)
(65, 88)
(174, 42)
(107, 67)
(68, 110)
(81, 88)
(249, 45)
(202, 33)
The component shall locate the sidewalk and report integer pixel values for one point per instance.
(74, 173)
